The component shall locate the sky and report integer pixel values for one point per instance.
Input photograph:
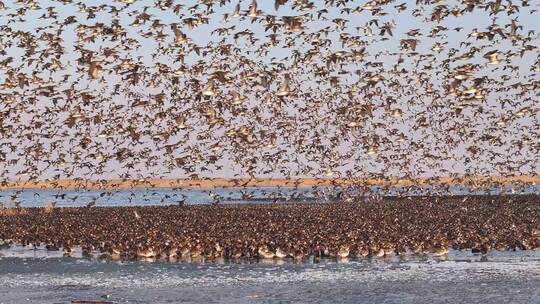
(135, 132)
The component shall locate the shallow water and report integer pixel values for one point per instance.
(172, 196)
(499, 277)
(144, 197)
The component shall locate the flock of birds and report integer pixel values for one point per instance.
(397, 227)
(139, 89)
(380, 89)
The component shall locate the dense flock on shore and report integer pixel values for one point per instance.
(389, 227)
(129, 93)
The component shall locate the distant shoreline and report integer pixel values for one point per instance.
(479, 181)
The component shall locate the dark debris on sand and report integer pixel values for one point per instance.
(387, 227)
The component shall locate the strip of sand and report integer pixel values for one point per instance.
(478, 181)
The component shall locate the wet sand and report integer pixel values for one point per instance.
(392, 226)
(473, 181)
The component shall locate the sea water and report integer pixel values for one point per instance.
(462, 277)
(172, 196)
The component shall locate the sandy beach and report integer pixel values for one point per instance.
(476, 181)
